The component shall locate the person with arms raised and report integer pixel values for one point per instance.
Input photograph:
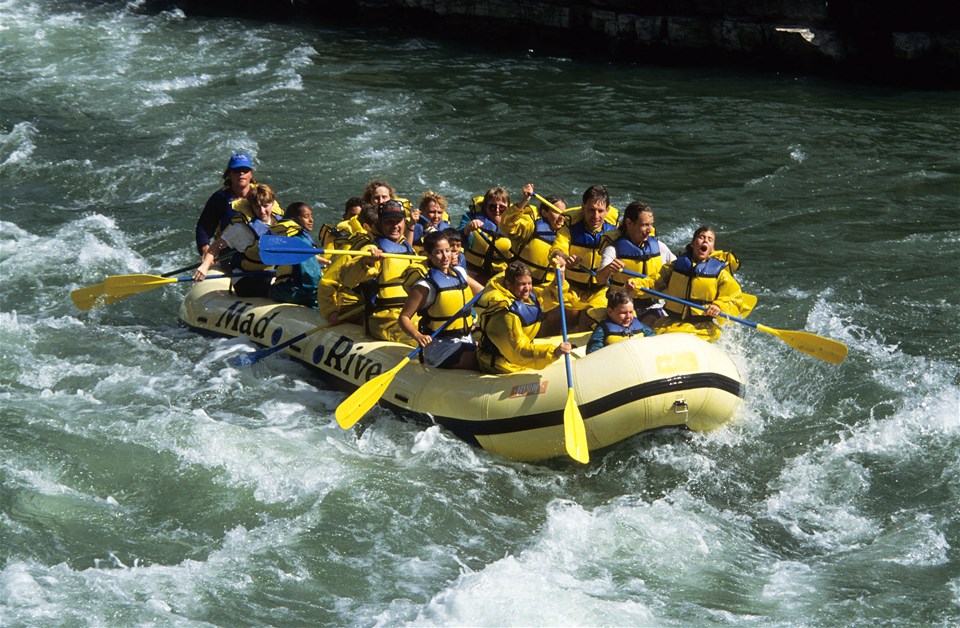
(532, 232)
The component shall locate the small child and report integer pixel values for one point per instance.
(621, 322)
(454, 238)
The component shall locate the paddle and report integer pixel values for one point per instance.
(574, 431)
(549, 204)
(491, 245)
(359, 403)
(92, 296)
(819, 347)
(125, 285)
(276, 250)
(252, 358)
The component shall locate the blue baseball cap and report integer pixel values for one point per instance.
(239, 160)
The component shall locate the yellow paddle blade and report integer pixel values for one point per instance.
(93, 296)
(359, 403)
(574, 432)
(122, 285)
(87, 298)
(817, 346)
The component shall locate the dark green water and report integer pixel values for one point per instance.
(145, 479)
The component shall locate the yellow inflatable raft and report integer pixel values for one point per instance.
(626, 388)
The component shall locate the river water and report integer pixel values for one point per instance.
(145, 479)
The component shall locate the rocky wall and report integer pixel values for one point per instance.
(917, 41)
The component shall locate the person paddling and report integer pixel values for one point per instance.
(701, 277)
(437, 290)
(510, 315)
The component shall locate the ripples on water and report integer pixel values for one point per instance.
(145, 479)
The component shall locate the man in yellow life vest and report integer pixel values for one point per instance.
(509, 316)
(380, 278)
(577, 250)
(699, 276)
(633, 247)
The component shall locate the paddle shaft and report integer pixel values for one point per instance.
(698, 306)
(283, 250)
(574, 430)
(256, 356)
(491, 245)
(222, 257)
(359, 403)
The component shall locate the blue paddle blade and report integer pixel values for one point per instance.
(244, 360)
(276, 250)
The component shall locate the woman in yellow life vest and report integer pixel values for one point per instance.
(257, 215)
(437, 291)
(379, 278)
(509, 316)
(486, 247)
(699, 276)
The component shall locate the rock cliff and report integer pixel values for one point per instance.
(894, 41)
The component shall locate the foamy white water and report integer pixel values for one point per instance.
(145, 479)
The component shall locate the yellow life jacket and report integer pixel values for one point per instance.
(306, 274)
(585, 245)
(644, 259)
(387, 290)
(245, 213)
(698, 283)
(576, 213)
(535, 252)
(250, 258)
(484, 260)
(614, 333)
(452, 293)
(497, 300)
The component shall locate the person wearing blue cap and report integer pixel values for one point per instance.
(219, 211)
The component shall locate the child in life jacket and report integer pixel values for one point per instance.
(620, 324)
